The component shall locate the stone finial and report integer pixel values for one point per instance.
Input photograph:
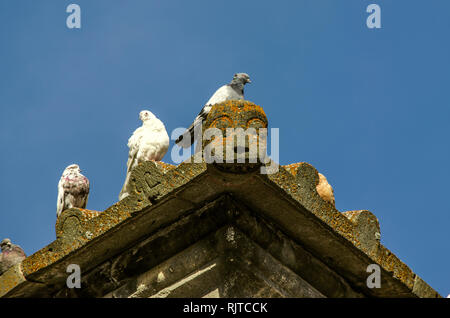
(144, 180)
(71, 222)
(311, 179)
(367, 226)
(232, 129)
(305, 173)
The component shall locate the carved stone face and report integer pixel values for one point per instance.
(237, 129)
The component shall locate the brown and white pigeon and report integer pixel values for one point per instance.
(11, 255)
(73, 190)
(232, 91)
(325, 190)
(149, 142)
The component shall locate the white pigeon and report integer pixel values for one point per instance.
(232, 91)
(149, 142)
(73, 190)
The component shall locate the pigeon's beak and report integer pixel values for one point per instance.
(249, 81)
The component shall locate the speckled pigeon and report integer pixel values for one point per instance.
(11, 255)
(232, 91)
(149, 142)
(73, 190)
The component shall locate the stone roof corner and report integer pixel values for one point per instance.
(166, 198)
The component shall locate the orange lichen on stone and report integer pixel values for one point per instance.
(11, 278)
(393, 264)
(292, 168)
(88, 214)
(165, 167)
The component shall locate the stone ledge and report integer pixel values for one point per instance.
(12, 278)
(155, 185)
(351, 225)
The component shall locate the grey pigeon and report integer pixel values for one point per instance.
(11, 255)
(73, 190)
(232, 91)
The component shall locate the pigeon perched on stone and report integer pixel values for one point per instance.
(11, 255)
(325, 190)
(73, 190)
(232, 91)
(149, 142)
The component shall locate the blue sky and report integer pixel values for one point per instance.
(369, 108)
